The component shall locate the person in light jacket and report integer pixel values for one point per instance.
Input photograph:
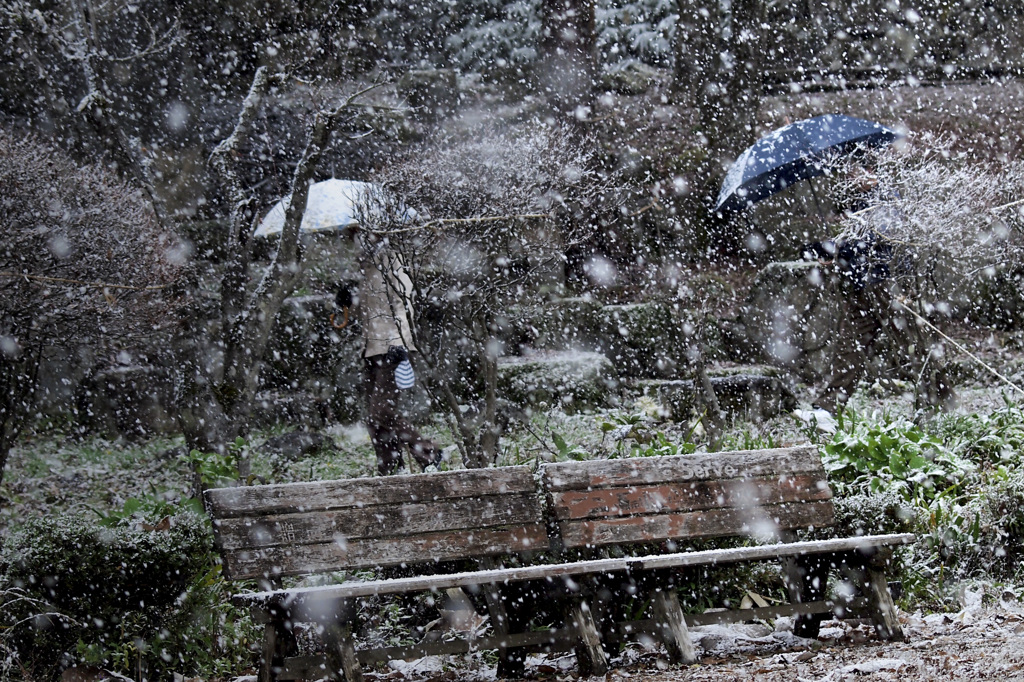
(381, 298)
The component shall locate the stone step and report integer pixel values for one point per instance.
(754, 392)
(570, 380)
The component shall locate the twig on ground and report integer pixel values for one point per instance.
(959, 347)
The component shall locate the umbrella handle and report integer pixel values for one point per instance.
(344, 322)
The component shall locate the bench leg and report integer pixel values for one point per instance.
(267, 654)
(590, 655)
(342, 663)
(608, 606)
(806, 580)
(278, 644)
(674, 633)
(868, 576)
(505, 620)
(887, 624)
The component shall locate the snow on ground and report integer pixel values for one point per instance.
(979, 642)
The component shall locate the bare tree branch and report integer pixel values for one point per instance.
(248, 314)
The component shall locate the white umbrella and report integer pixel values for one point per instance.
(331, 206)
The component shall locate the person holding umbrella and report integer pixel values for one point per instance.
(380, 294)
(802, 151)
(866, 269)
(863, 266)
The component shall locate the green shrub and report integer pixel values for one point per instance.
(877, 456)
(961, 492)
(996, 538)
(75, 591)
(217, 470)
(635, 436)
(995, 438)
(873, 514)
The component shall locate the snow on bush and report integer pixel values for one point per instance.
(932, 203)
(83, 264)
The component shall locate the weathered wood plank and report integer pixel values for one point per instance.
(857, 607)
(691, 496)
(699, 467)
(555, 639)
(709, 523)
(313, 667)
(379, 521)
(286, 498)
(352, 590)
(371, 553)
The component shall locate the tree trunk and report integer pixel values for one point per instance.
(490, 433)
(463, 430)
(695, 50)
(18, 382)
(203, 421)
(733, 87)
(714, 421)
(217, 402)
(569, 65)
(718, 70)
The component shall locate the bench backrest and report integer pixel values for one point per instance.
(318, 527)
(655, 499)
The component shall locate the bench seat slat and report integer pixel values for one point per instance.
(764, 520)
(378, 521)
(350, 590)
(372, 553)
(688, 496)
(262, 500)
(596, 474)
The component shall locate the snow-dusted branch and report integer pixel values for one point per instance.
(225, 155)
(158, 42)
(441, 222)
(250, 317)
(76, 282)
(931, 204)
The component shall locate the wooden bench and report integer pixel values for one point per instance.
(574, 542)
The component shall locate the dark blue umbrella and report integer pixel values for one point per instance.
(796, 152)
